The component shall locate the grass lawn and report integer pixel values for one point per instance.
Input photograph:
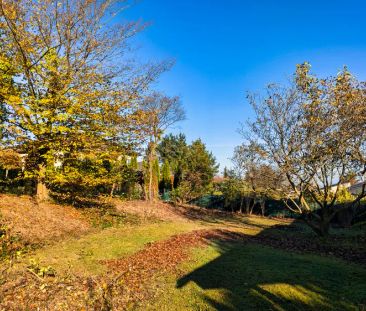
(215, 276)
(83, 255)
(254, 277)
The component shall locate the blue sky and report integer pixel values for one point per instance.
(224, 49)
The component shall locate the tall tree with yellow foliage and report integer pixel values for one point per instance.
(69, 88)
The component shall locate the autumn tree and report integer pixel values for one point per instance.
(313, 131)
(68, 87)
(160, 112)
(260, 181)
(9, 160)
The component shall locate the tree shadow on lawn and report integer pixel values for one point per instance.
(255, 277)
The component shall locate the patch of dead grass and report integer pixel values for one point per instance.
(37, 223)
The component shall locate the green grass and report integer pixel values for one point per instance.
(83, 255)
(223, 276)
(253, 277)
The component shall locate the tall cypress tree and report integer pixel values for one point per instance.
(166, 181)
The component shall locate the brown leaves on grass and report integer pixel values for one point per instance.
(127, 282)
(132, 280)
(154, 260)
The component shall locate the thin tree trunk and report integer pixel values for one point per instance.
(321, 227)
(241, 205)
(247, 205)
(252, 207)
(42, 193)
(113, 188)
(152, 193)
(263, 206)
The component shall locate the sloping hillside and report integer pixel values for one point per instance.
(40, 222)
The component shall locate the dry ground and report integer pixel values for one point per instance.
(37, 223)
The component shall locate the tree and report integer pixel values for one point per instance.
(313, 132)
(133, 163)
(156, 176)
(174, 150)
(9, 160)
(71, 90)
(193, 166)
(7, 90)
(231, 190)
(259, 180)
(160, 113)
(201, 168)
(226, 172)
(166, 180)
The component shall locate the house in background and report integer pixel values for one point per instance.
(346, 185)
(356, 188)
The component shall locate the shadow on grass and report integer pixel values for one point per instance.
(255, 277)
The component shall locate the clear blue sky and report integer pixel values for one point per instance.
(225, 48)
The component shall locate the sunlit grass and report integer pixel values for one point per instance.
(253, 277)
(83, 255)
(221, 276)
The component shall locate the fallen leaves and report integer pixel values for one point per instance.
(130, 280)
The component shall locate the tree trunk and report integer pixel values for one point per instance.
(113, 188)
(149, 189)
(42, 193)
(152, 191)
(320, 226)
(247, 205)
(263, 206)
(241, 205)
(150, 164)
(324, 228)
